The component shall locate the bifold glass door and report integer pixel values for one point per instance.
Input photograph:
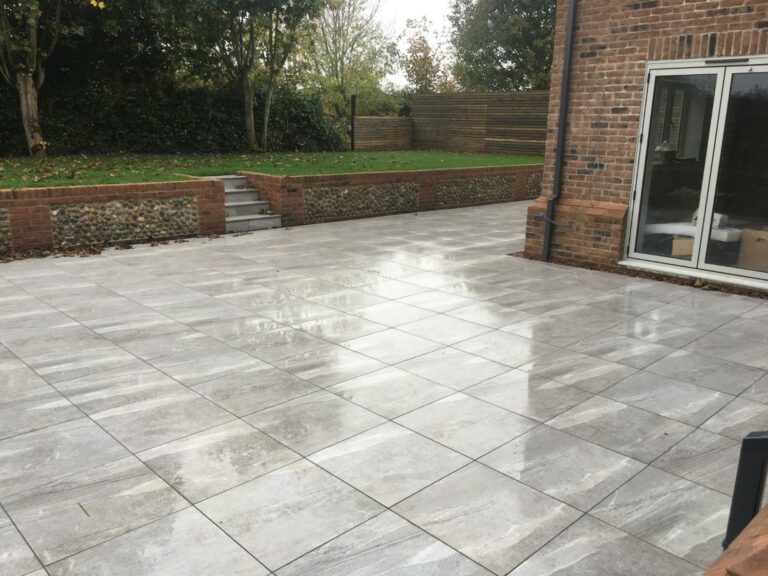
(701, 189)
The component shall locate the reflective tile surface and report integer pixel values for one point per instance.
(387, 396)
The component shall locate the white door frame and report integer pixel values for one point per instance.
(724, 68)
(731, 71)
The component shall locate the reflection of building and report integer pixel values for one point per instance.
(665, 155)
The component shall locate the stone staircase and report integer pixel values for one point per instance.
(244, 211)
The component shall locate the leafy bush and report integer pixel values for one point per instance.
(90, 119)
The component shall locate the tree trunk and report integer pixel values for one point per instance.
(30, 114)
(250, 120)
(265, 121)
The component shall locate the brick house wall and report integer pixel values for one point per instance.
(613, 42)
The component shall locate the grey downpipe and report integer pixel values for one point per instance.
(565, 90)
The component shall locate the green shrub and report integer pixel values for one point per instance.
(90, 120)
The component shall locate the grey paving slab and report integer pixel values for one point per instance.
(183, 543)
(27, 402)
(579, 370)
(668, 397)
(389, 463)
(572, 470)
(453, 368)
(393, 314)
(758, 392)
(217, 459)
(314, 422)
(466, 424)
(390, 392)
(698, 318)
(444, 330)
(195, 366)
(708, 371)
(289, 512)
(340, 327)
(391, 346)
(278, 344)
(16, 558)
(505, 348)
(329, 365)
(622, 350)
(347, 300)
(489, 314)
(493, 519)
(255, 389)
(164, 417)
(387, 545)
(40, 457)
(658, 332)
(738, 419)
(236, 328)
(437, 301)
(593, 548)
(528, 395)
(87, 508)
(705, 458)
(625, 429)
(676, 515)
(748, 352)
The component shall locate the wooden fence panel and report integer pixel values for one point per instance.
(383, 133)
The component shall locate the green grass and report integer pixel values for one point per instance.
(78, 170)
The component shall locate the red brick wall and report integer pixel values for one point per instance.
(614, 41)
(286, 193)
(30, 208)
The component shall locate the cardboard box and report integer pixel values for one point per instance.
(754, 250)
(682, 247)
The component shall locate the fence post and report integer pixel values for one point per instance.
(352, 122)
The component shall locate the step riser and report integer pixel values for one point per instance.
(253, 209)
(242, 196)
(253, 225)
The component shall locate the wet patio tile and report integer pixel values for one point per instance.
(467, 425)
(87, 508)
(389, 463)
(528, 395)
(574, 471)
(664, 333)
(195, 366)
(489, 314)
(444, 330)
(624, 429)
(749, 352)
(676, 515)
(738, 419)
(390, 392)
(393, 314)
(347, 300)
(622, 350)
(254, 389)
(708, 371)
(453, 368)
(215, 460)
(40, 457)
(377, 547)
(664, 396)
(314, 422)
(17, 559)
(493, 519)
(593, 548)
(437, 301)
(277, 344)
(391, 346)
(289, 512)
(183, 542)
(579, 370)
(505, 348)
(704, 458)
(339, 327)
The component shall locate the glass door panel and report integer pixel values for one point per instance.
(738, 214)
(676, 165)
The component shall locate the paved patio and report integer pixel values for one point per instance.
(378, 397)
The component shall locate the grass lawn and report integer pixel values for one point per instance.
(72, 170)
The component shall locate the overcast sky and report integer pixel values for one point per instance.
(396, 12)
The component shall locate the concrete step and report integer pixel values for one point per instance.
(242, 195)
(246, 208)
(251, 223)
(232, 182)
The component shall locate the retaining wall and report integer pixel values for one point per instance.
(66, 217)
(326, 198)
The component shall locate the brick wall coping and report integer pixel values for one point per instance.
(102, 192)
(389, 176)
